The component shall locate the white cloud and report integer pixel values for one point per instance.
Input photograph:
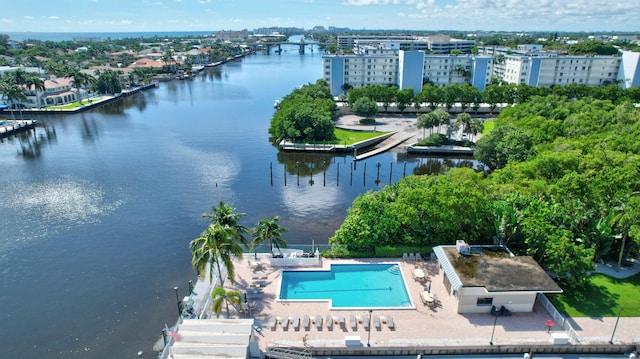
(53, 17)
(27, 17)
(6, 21)
(204, 1)
(106, 22)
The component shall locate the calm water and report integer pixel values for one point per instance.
(96, 211)
(349, 286)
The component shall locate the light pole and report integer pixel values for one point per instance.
(178, 301)
(494, 330)
(616, 326)
(369, 332)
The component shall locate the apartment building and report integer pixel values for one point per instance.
(406, 69)
(440, 44)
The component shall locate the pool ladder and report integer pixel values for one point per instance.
(394, 269)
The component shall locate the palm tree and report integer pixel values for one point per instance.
(268, 229)
(220, 296)
(35, 82)
(79, 79)
(464, 121)
(424, 122)
(227, 215)
(14, 94)
(216, 245)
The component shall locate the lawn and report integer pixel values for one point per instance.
(351, 137)
(601, 298)
(73, 105)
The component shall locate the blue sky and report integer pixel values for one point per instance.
(212, 15)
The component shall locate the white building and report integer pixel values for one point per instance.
(406, 69)
(527, 65)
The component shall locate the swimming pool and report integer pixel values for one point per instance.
(349, 286)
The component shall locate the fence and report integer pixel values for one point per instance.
(559, 318)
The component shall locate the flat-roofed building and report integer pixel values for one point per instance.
(480, 278)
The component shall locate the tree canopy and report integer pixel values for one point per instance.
(305, 114)
(562, 187)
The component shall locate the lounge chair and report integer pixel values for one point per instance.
(353, 323)
(412, 257)
(365, 322)
(318, 322)
(376, 322)
(295, 322)
(340, 320)
(284, 323)
(390, 323)
(306, 322)
(329, 322)
(418, 275)
(272, 322)
(418, 257)
(426, 298)
(405, 256)
(259, 277)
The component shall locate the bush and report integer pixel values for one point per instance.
(367, 121)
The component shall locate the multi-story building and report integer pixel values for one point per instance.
(406, 69)
(526, 65)
(440, 44)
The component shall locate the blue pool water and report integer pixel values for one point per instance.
(349, 286)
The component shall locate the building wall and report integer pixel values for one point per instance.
(481, 72)
(629, 73)
(467, 298)
(410, 70)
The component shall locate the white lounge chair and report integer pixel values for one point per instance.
(405, 256)
(329, 322)
(306, 322)
(365, 322)
(318, 322)
(272, 322)
(295, 322)
(340, 320)
(390, 323)
(284, 323)
(376, 322)
(353, 323)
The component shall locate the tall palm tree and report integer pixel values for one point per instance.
(221, 296)
(269, 229)
(14, 94)
(217, 246)
(79, 79)
(227, 215)
(35, 82)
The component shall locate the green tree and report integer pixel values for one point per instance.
(269, 229)
(79, 80)
(221, 296)
(503, 145)
(365, 107)
(403, 98)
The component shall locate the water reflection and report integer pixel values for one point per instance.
(32, 142)
(437, 165)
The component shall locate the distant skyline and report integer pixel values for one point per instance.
(214, 15)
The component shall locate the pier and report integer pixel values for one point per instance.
(11, 127)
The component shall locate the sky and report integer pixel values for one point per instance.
(213, 15)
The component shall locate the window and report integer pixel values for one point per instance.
(484, 302)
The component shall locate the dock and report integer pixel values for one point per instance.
(11, 127)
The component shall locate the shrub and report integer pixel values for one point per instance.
(367, 121)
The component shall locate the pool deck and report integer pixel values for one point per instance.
(420, 326)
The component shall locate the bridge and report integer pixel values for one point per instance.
(301, 46)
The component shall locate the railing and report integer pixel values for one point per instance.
(287, 352)
(559, 318)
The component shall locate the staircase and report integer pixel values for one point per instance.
(287, 352)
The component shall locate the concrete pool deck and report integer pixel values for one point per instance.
(422, 326)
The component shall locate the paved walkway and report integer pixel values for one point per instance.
(612, 270)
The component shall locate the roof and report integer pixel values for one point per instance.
(144, 62)
(493, 268)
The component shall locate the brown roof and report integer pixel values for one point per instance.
(497, 271)
(144, 62)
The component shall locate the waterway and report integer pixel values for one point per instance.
(97, 208)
